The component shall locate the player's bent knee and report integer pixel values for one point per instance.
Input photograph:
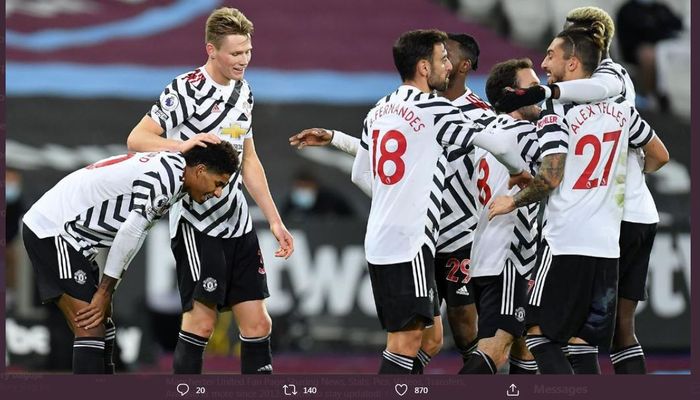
(260, 326)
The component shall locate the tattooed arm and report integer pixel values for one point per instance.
(548, 178)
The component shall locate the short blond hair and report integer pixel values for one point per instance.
(226, 21)
(586, 16)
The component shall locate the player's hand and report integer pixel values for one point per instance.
(200, 140)
(520, 97)
(501, 205)
(522, 180)
(94, 314)
(285, 240)
(311, 137)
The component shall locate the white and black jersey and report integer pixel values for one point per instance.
(583, 214)
(639, 203)
(191, 104)
(458, 218)
(87, 207)
(402, 150)
(513, 236)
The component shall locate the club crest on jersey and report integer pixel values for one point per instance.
(247, 109)
(234, 131)
(209, 284)
(159, 206)
(169, 102)
(80, 277)
(519, 314)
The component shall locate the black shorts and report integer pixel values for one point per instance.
(636, 241)
(405, 292)
(501, 302)
(216, 271)
(452, 277)
(574, 296)
(59, 268)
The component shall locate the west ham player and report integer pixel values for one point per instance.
(504, 249)
(401, 159)
(219, 263)
(111, 203)
(583, 153)
(639, 218)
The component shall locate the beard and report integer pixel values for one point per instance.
(439, 85)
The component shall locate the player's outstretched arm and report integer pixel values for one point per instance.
(598, 87)
(324, 137)
(256, 183)
(361, 173)
(127, 243)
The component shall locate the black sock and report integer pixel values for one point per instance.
(189, 353)
(479, 362)
(522, 367)
(421, 360)
(583, 359)
(549, 355)
(256, 355)
(396, 364)
(88, 355)
(110, 337)
(468, 349)
(629, 360)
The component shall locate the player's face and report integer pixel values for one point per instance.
(440, 69)
(207, 185)
(527, 77)
(455, 56)
(554, 63)
(232, 57)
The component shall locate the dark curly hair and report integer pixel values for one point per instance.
(219, 158)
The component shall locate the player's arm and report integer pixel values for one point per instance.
(642, 135)
(506, 152)
(548, 178)
(361, 166)
(173, 108)
(324, 137)
(127, 243)
(600, 86)
(256, 183)
(655, 155)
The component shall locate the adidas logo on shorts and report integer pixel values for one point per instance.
(463, 291)
(266, 368)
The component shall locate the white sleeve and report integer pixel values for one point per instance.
(505, 151)
(600, 86)
(127, 243)
(361, 172)
(345, 142)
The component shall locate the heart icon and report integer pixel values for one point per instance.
(401, 388)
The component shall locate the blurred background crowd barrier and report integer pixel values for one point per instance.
(82, 73)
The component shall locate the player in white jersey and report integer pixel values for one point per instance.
(504, 249)
(219, 263)
(583, 151)
(640, 217)
(401, 159)
(457, 219)
(111, 203)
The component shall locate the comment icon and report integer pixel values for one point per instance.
(183, 388)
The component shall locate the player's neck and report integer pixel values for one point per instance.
(455, 90)
(421, 84)
(215, 75)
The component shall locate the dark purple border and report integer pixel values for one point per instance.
(36, 386)
(2, 201)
